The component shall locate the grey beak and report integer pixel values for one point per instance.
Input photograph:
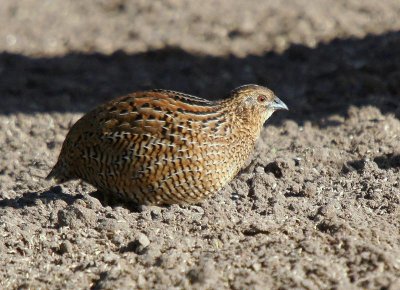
(277, 104)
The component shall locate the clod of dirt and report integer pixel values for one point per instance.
(65, 247)
(203, 274)
(279, 167)
(355, 165)
(138, 246)
(310, 190)
(76, 216)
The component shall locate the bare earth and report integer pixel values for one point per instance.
(317, 207)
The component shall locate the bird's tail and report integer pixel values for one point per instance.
(59, 173)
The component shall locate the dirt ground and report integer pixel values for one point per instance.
(318, 206)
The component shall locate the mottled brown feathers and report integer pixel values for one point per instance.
(163, 147)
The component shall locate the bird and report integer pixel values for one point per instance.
(161, 147)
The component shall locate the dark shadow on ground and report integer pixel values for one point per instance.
(107, 199)
(314, 82)
(30, 198)
(388, 161)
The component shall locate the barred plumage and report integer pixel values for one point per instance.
(163, 147)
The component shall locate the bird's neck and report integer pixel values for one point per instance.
(245, 127)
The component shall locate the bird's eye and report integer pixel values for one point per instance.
(261, 98)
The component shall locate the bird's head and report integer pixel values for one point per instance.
(256, 102)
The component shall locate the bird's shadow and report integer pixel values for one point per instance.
(114, 201)
(30, 198)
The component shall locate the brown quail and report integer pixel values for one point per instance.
(165, 147)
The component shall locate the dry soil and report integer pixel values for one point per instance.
(317, 207)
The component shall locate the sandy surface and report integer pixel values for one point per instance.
(317, 207)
